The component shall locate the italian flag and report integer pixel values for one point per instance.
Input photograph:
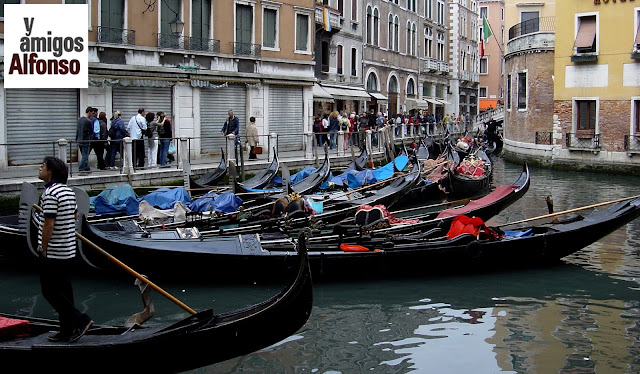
(486, 33)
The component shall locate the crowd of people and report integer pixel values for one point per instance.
(327, 126)
(98, 134)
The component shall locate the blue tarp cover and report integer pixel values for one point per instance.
(227, 202)
(357, 179)
(123, 199)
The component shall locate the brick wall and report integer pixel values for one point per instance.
(521, 125)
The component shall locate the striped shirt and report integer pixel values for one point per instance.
(59, 202)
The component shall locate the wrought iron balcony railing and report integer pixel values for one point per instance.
(171, 41)
(632, 143)
(247, 49)
(583, 141)
(532, 25)
(544, 137)
(116, 36)
(204, 45)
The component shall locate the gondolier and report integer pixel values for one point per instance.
(57, 247)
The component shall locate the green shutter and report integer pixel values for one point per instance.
(201, 18)
(302, 32)
(244, 23)
(269, 28)
(112, 13)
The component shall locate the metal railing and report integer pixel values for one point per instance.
(544, 137)
(632, 143)
(531, 26)
(247, 49)
(204, 45)
(171, 41)
(582, 141)
(116, 36)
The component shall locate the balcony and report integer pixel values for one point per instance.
(431, 64)
(537, 33)
(247, 49)
(171, 41)
(632, 144)
(444, 68)
(583, 142)
(204, 45)
(116, 36)
(335, 19)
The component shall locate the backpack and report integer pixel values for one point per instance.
(112, 132)
(317, 126)
(103, 130)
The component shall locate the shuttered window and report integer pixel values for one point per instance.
(201, 18)
(586, 114)
(637, 42)
(286, 116)
(215, 104)
(522, 90)
(586, 36)
(244, 23)
(269, 22)
(302, 32)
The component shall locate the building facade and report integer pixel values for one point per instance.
(251, 56)
(491, 69)
(463, 57)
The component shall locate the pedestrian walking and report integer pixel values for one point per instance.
(57, 248)
(252, 137)
(99, 144)
(84, 134)
(152, 140)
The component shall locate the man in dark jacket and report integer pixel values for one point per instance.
(84, 134)
(232, 126)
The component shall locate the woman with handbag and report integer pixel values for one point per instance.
(252, 138)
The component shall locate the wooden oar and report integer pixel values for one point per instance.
(129, 270)
(570, 211)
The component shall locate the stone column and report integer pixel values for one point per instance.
(309, 138)
(184, 161)
(340, 143)
(62, 149)
(127, 155)
(231, 153)
(367, 144)
(273, 145)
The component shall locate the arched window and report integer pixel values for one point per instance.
(391, 31)
(411, 87)
(354, 62)
(414, 37)
(393, 84)
(339, 59)
(408, 50)
(325, 56)
(396, 34)
(372, 83)
(368, 26)
(376, 26)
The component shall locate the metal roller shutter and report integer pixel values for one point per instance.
(215, 104)
(129, 99)
(286, 116)
(39, 115)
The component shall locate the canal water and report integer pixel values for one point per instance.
(579, 316)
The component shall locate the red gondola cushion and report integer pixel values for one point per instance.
(11, 328)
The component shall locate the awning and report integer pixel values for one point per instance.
(488, 104)
(347, 93)
(443, 102)
(416, 104)
(378, 96)
(586, 33)
(286, 82)
(320, 94)
(432, 101)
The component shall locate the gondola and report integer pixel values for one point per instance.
(13, 228)
(465, 182)
(310, 183)
(359, 163)
(211, 178)
(200, 339)
(238, 253)
(261, 179)
(422, 152)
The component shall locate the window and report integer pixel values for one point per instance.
(522, 90)
(169, 10)
(376, 26)
(354, 10)
(408, 38)
(369, 24)
(393, 85)
(428, 9)
(341, 7)
(396, 34)
(482, 91)
(372, 83)
(200, 18)
(529, 22)
(484, 65)
(636, 116)
(426, 89)
(411, 88)
(354, 62)
(9, 2)
(586, 35)
(441, 12)
(413, 40)
(112, 22)
(585, 115)
(484, 12)
(302, 32)
(244, 24)
(325, 56)
(428, 42)
(440, 46)
(339, 59)
(269, 28)
(509, 92)
(390, 42)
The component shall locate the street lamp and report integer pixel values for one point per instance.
(176, 26)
